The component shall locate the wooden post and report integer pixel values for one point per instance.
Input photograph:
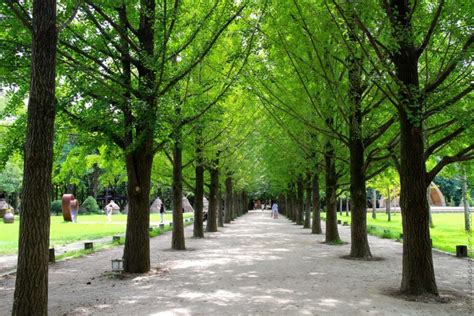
(461, 251)
(52, 256)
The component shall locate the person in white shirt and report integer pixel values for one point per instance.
(275, 210)
(109, 210)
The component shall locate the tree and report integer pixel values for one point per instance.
(150, 55)
(31, 286)
(426, 88)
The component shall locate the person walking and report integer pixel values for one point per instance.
(275, 210)
(74, 210)
(109, 210)
(162, 212)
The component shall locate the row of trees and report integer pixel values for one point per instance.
(302, 98)
(149, 80)
(361, 90)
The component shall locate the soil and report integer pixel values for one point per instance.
(254, 266)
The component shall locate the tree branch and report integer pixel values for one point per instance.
(431, 29)
(71, 18)
(430, 87)
(201, 56)
(442, 142)
(464, 155)
(449, 102)
(20, 13)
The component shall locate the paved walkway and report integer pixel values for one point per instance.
(253, 266)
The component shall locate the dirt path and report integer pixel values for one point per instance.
(256, 266)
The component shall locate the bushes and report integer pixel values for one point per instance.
(56, 207)
(90, 205)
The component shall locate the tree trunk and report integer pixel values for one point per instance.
(332, 234)
(307, 209)
(359, 241)
(294, 205)
(31, 287)
(282, 208)
(347, 206)
(213, 189)
(244, 203)
(417, 273)
(220, 210)
(465, 202)
(289, 207)
(235, 206)
(139, 137)
(177, 238)
(289, 202)
(228, 200)
(316, 227)
(374, 204)
(137, 242)
(198, 229)
(299, 201)
(389, 205)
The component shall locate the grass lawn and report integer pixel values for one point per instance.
(447, 233)
(87, 227)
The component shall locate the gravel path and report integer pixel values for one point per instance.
(253, 266)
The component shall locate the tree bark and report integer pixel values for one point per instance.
(139, 137)
(31, 287)
(228, 200)
(465, 202)
(388, 205)
(332, 234)
(294, 205)
(137, 242)
(347, 206)
(213, 189)
(299, 201)
(244, 203)
(245, 197)
(220, 212)
(198, 229)
(417, 272)
(307, 209)
(374, 204)
(282, 206)
(177, 238)
(359, 241)
(316, 228)
(234, 206)
(289, 202)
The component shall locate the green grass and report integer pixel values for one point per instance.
(82, 252)
(87, 227)
(447, 233)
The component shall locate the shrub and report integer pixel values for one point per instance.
(90, 205)
(56, 207)
(387, 234)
